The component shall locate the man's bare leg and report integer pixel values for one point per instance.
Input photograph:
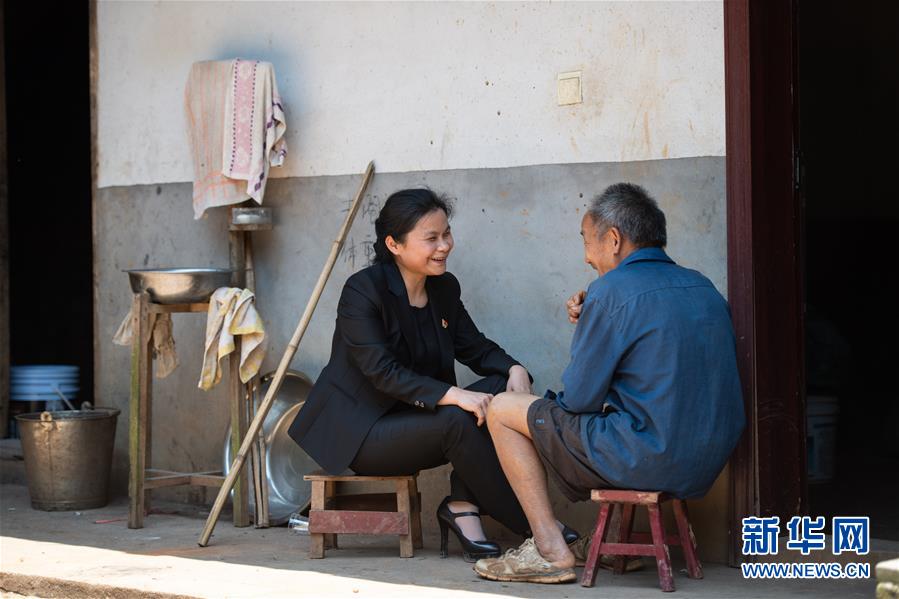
(507, 417)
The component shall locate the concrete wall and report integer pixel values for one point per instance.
(420, 86)
(382, 82)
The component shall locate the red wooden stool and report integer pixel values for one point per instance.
(331, 514)
(635, 543)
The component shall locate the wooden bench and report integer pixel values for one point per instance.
(331, 514)
(629, 543)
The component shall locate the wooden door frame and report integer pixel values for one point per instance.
(764, 258)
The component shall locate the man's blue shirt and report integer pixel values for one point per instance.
(655, 342)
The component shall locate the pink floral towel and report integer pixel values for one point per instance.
(254, 125)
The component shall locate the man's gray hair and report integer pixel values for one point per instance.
(633, 212)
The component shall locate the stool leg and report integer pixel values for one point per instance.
(663, 559)
(624, 534)
(687, 540)
(589, 576)
(317, 540)
(148, 411)
(330, 500)
(141, 394)
(403, 506)
(417, 541)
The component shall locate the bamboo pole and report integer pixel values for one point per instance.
(289, 353)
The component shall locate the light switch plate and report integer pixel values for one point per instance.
(569, 88)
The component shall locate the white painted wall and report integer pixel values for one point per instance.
(420, 86)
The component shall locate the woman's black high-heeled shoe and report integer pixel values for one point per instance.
(472, 551)
(569, 534)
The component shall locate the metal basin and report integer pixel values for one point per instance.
(179, 285)
(251, 216)
(285, 461)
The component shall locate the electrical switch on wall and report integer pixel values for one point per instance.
(569, 88)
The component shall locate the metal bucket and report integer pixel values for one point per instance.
(67, 457)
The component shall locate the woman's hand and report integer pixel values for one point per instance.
(574, 305)
(470, 401)
(518, 379)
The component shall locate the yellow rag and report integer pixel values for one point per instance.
(163, 342)
(232, 312)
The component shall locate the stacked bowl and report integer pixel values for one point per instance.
(44, 382)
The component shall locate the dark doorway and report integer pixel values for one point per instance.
(46, 51)
(849, 119)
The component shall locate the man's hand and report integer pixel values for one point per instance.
(470, 401)
(574, 305)
(518, 380)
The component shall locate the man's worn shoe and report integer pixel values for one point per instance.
(524, 564)
(581, 547)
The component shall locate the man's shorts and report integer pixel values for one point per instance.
(557, 437)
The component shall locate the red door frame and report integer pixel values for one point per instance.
(764, 256)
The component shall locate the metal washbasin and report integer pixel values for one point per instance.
(285, 461)
(179, 285)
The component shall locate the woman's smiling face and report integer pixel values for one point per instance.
(426, 247)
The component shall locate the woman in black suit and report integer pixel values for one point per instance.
(387, 403)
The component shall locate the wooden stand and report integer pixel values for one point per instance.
(331, 514)
(241, 257)
(143, 478)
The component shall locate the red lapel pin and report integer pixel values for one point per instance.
(444, 323)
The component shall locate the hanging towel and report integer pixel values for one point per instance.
(163, 341)
(204, 102)
(254, 125)
(227, 111)
(232, 312)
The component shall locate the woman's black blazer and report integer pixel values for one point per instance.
(371, 364)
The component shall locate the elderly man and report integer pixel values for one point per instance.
(651, 395)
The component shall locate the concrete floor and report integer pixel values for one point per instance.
(70, 554)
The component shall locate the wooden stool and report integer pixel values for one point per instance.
(634, 543)
(331, 514)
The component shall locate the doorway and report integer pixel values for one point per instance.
(811, 111)
(848, 121)
(48, 151)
